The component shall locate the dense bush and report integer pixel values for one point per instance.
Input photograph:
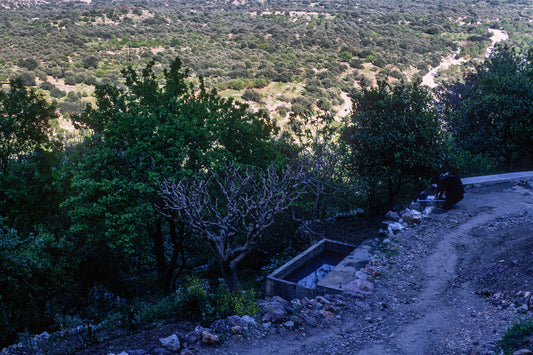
(196, 300)
(36, 270)
(491, 113)
(517, 337)
(393, 139)
(252, 95)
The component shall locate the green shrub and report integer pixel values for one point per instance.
(516, 337)
(195, 301)
(34, 272)
(283, 110)
(240, 303)
(465, 163)
(252, 95)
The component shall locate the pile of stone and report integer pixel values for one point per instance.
(397, 221)
(521, 302)
(277, 314)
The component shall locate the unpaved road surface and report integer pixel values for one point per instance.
(450, 285)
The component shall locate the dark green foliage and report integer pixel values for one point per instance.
(491, 114)
(223, 42)
(31, 189)
(28, 63)
(393, 140)
(252, 95)
(90, 62)
(195, 300)
(146, 133)
(356, 63)
(26, 77)
(35, 271)
(465, 163)
(517, 337)
(24, 122)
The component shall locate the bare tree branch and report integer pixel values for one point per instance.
(231, 211)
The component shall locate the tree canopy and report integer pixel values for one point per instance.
(491, 113)
(143, 134)
(393, 138)
(25, 117)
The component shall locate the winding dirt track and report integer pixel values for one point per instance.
(429, 78)
(443, 293)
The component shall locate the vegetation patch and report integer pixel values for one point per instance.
(518, 337)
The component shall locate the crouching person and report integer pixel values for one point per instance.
(450, 188)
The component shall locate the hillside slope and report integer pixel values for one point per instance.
(453, 287)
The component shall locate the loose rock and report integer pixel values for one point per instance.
(171, 343)
(359, 286)
(209, 338)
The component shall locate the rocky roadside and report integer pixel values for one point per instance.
(440, 283)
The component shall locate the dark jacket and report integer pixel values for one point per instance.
(452, 187)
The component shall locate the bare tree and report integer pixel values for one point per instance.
(231, 211)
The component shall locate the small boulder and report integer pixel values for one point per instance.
(209, 338)
(192, 337)
(322, 299)
(296, 304)
(43, 336)
(235, 321)
(394, 228)
(273, 311)
(289, 325)
(523, 352)
(331, 308)
(236, 329)
(305, 302)
(411, 216)
(220, 326)
(326, 314)
(416, 206)
(160, 351)
(171, 343)
(522, 309)
(360, 274)
(359, 286)
(249, 321)
(427, 211)
(393, 216)
(136, 352)
(279, 299)
(309, 320)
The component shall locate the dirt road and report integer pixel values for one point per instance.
(429, 78)
(448, 286)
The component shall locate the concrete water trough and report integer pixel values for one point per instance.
(325, 267)
(429, 201)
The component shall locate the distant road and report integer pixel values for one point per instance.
(429, 78)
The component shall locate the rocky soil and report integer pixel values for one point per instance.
(451, 284)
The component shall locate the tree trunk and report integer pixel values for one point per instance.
(230, 276)
(177, 239)
(159, 251)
